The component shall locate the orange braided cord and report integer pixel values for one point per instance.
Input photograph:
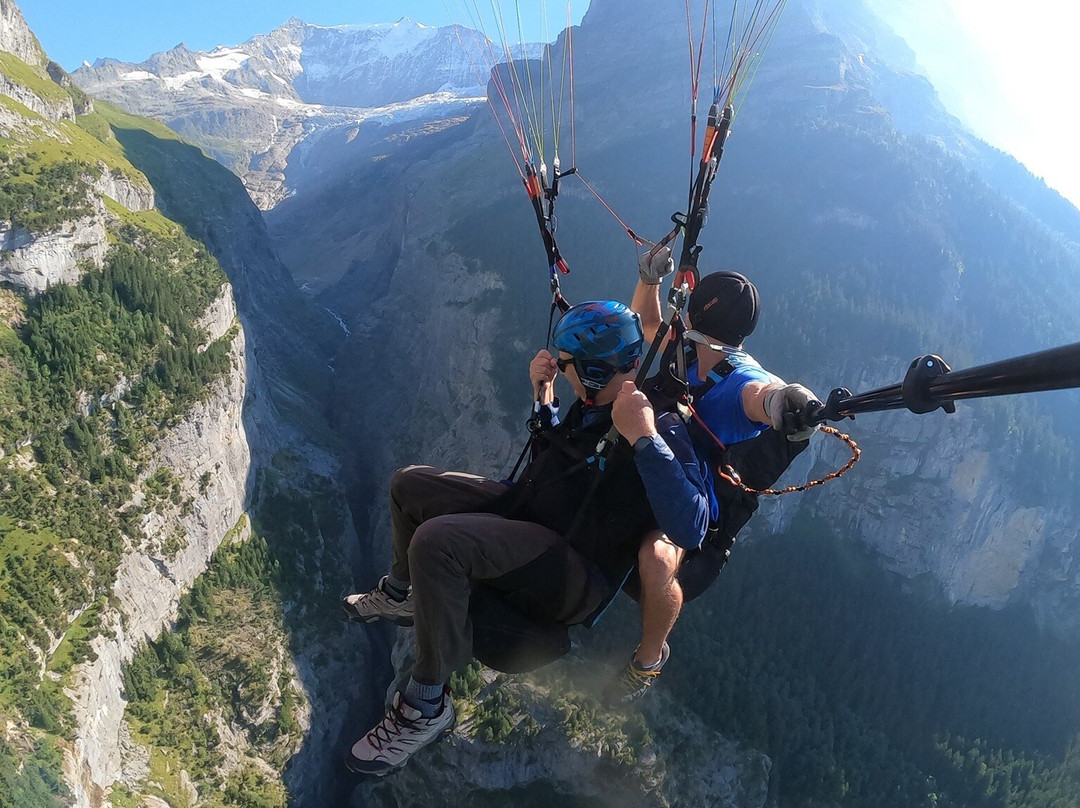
(730, 475)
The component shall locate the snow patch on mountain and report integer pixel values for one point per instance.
(221, 61)
(261, 107)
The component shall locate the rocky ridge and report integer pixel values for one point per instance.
(53, 109)
(207, 454)
(17, 38)
(250, 106)
(211, 456)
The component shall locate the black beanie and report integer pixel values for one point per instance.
(724, 306)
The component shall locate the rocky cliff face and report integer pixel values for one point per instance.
(933, 503)
(207, 454)
(35, 261)
(55, 110)
(17, 38)
(209, 457)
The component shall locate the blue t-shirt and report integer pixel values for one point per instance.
(721, 410)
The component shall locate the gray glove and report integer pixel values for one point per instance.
(790, 409)
(653, 271)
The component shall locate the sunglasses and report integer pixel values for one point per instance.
(594, 374)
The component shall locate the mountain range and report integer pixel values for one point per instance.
(250, 105)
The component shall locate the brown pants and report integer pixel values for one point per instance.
(443, 541)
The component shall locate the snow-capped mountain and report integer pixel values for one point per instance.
(250, 105)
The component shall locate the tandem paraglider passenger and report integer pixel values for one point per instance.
(742, 415)
(556, 544)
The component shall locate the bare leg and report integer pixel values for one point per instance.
(661, 595)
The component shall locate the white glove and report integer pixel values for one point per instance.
(790, 409)
(652, 270)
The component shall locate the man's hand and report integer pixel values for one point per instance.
(632, 414)
(653, 268)
(790, 408)
(542, 372)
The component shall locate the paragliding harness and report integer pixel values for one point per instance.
(511, 629)
(511, 637)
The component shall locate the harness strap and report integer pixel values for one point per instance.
(562, 443)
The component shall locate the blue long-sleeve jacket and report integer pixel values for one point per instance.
(673, 480)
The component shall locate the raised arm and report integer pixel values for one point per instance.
(646, 302)
(542, 373)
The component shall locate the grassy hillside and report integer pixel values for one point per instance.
(90, 375)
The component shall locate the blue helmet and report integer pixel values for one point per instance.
(603, 336)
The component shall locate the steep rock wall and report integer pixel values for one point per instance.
(211, 441)
(60, 109)
(932, 500)
(119, 188)
(36, 261)
(17, 38)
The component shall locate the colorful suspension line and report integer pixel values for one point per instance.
(540, 192)
(517, 102)
(746, 39)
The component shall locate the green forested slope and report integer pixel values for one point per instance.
(90, 375)
(868, 694)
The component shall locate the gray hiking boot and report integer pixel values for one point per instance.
(379, 603)
(633, 682)
(402, 733)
